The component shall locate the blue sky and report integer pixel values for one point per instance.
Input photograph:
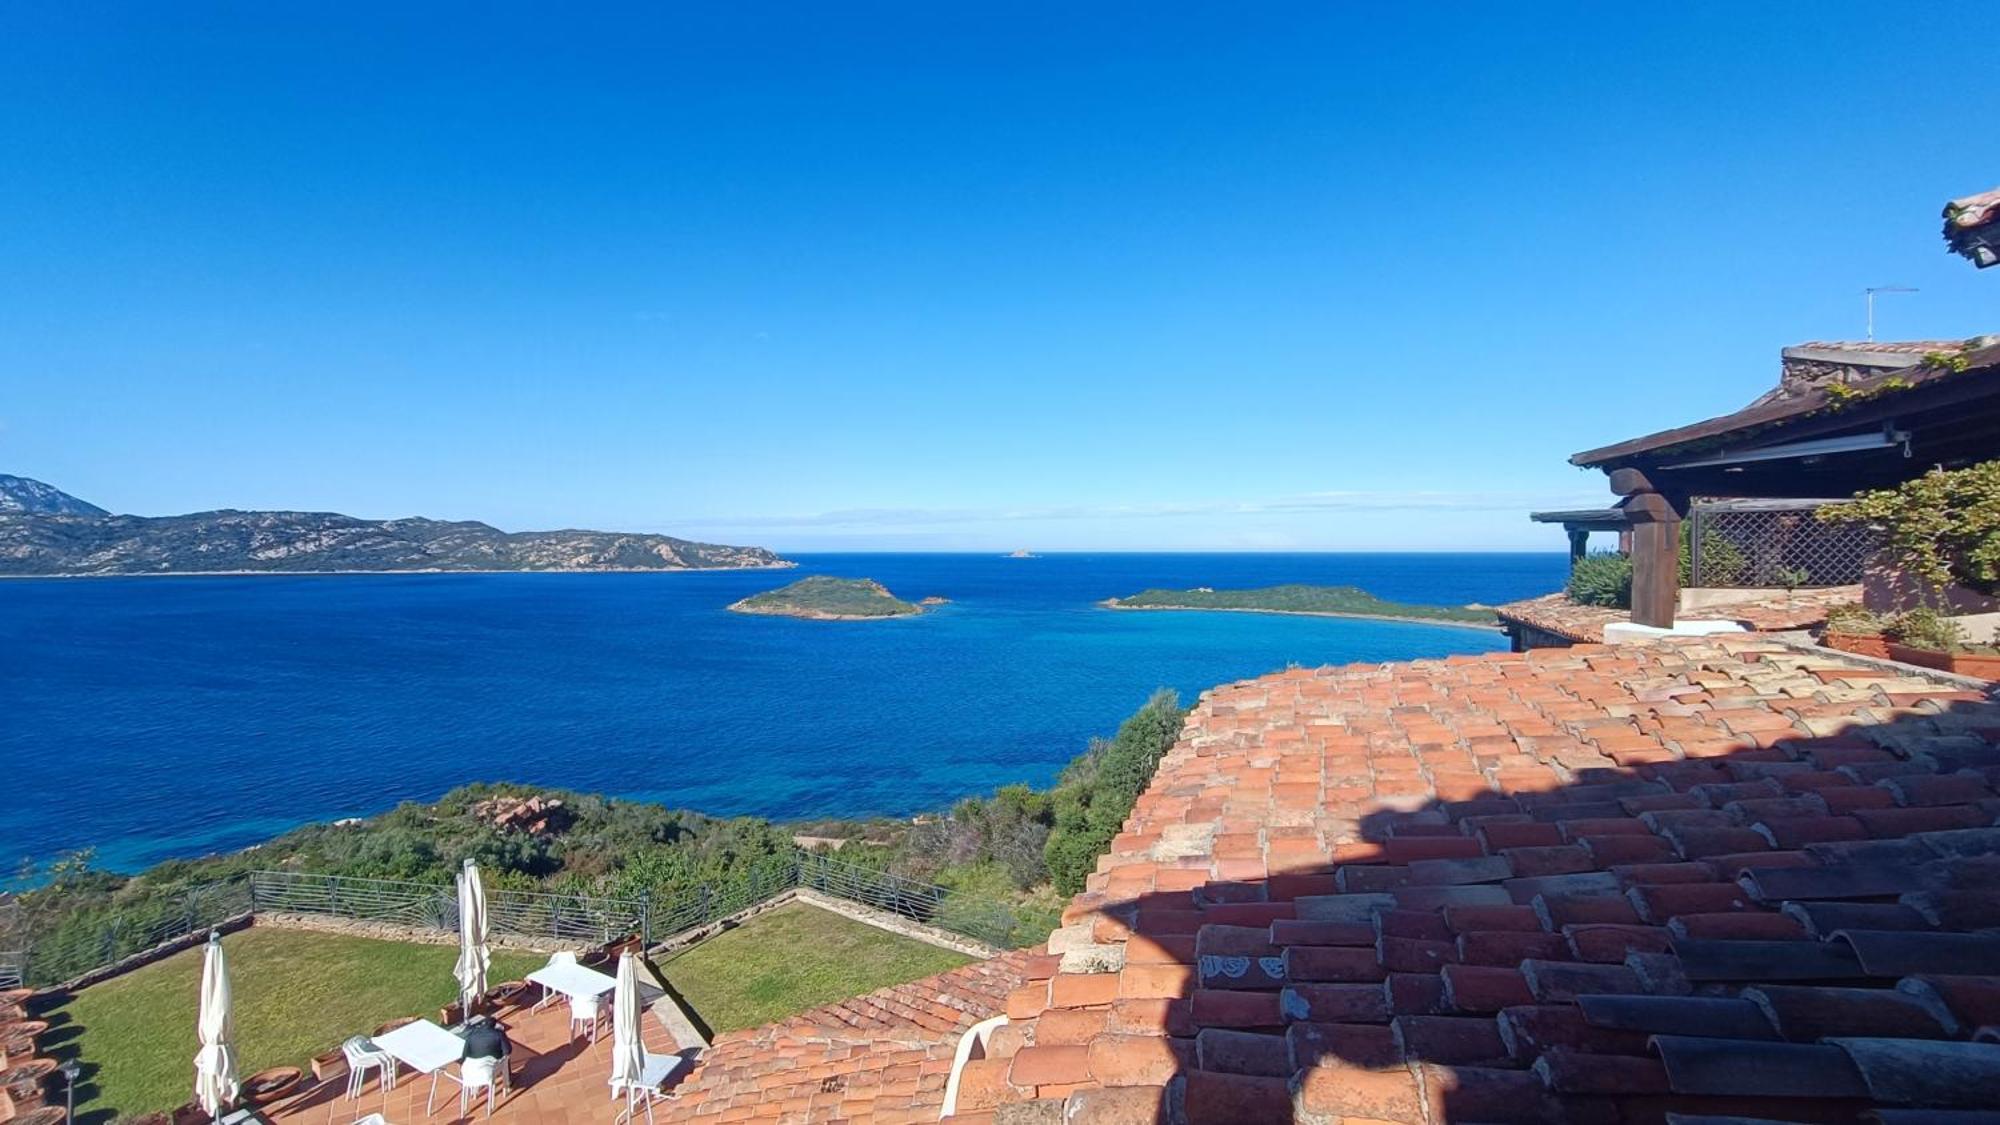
(946, 276)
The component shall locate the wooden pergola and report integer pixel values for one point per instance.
(1874, 432)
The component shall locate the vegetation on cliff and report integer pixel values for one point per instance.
(1013, 857)
(823, 598)
(47, 532)
(1326, 601)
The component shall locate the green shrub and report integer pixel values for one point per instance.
(1926, 629)
(1943, 527)
(1603, 578)
(1097, 791)
(1853, 618)
(1722, 563)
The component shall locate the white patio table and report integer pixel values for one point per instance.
(573, 980)
(424, 1047)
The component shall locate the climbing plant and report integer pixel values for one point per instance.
(1943, 527)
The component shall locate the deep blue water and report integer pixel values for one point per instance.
(155, 717)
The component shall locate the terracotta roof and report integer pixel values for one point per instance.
(1973, 211)
(1893, 347)
(1557, 614)
(884, 1057)
(1714, 876)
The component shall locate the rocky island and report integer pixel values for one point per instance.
(46, 532)
(1312, 601)
(821, 598)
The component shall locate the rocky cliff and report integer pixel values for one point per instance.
(78, 538)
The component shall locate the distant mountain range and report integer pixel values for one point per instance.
(44, 530)
(21, 495)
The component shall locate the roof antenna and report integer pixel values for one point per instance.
(1871, 291)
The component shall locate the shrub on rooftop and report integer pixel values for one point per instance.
(1603, 578)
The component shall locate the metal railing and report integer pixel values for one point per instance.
(88, 942)
(97, 940)
(533, 915)
(1768, 543)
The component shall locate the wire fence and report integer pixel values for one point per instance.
(531, 915)
(93, 940)
(13, 945)
(1771, 543)
(89, 941)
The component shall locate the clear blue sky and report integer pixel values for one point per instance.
(938, 276)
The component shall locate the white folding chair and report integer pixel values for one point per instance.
(489, 1075)
(589, 1011)
(363, 1056)
(648, 1089)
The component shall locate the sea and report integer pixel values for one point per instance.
(150, 718)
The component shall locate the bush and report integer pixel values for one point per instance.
(1926, 629)
(1943, 527)
(1603, 578)
(1722, 562)
(1853, 618)
(1097, 791)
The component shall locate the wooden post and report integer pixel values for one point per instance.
(1656, 558)
(1579, 541)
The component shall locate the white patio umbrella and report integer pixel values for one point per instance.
(473, 958)
(215, 1064)
(628, 1052)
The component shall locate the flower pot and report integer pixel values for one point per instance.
(267, 1086)
(1982, 665)
(332, 1064)
(1921, 657)
(1861, 644)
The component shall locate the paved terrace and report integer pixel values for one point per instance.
(881, 1058)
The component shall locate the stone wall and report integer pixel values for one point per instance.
(416, 935)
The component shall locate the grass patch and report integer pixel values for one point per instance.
(296, 994)
(796, 957)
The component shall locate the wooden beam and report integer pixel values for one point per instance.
(1656, 558)
(1656, 572)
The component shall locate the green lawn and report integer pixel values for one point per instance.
(793, 958)
(296, 994)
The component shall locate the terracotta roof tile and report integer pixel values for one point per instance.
(1803, 609)
(1571, 884)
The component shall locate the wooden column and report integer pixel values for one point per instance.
(1656, 548)
(1579, 542)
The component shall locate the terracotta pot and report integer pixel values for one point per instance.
(393, 1025)
(1921, 657)
(1861, 644)
(332, 1064)
(267, 1086)
(1984, 665)
(507, 995)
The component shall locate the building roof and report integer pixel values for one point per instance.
(1972, 227)
(1558, 615)
(1949, 409)
(1709, 875)
(883, 1057)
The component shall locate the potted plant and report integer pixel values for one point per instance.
(1853, 628)
(1929, 639)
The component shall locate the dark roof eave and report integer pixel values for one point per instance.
(1756, 418)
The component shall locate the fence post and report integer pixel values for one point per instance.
(1697, 517)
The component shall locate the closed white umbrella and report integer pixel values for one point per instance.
(215, 1064)
(628, 1052)
(473, 959)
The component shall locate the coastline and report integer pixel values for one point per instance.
(1112, 603)
(819, 614)
(784, 564)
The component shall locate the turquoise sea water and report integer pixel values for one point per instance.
(155, 717)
